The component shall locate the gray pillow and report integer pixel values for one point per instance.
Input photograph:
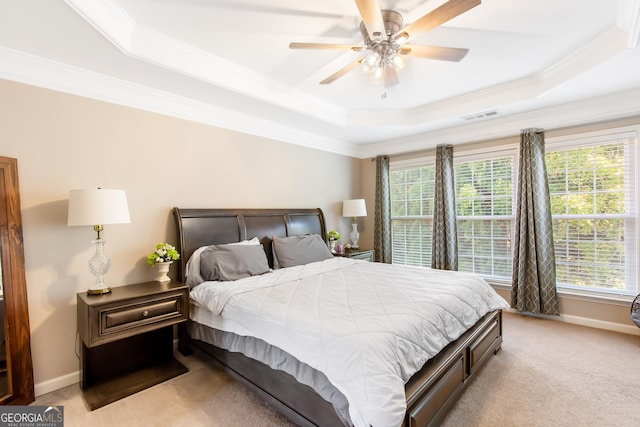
(297, 250)
(232, 262)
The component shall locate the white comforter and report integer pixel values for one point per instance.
(367, 326)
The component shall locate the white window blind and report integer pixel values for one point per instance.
(593, 204)
(412, 214)
(484, 207)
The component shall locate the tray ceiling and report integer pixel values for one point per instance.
(228, 63)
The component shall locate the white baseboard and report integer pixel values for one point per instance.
(585, 321)
(56, 383)
(600, 324)
(67, 380)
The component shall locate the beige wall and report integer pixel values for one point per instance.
(65, 142)
(368, 192)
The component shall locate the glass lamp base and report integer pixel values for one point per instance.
(99, 265)
(354, 236)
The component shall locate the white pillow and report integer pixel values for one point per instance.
(193, 264)
(253, 241)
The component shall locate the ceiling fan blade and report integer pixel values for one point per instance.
(390, 76)
(372, 17)
(335, 76)
(438, 16)
(453, 54)
(297, 45)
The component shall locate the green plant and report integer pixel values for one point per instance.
(333, 235)
(164, 253)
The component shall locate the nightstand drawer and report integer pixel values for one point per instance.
(131, 310)
(120, 318)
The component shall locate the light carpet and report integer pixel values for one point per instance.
(548, 374)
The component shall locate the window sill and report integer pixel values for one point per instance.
(604, 298)
(590, 296)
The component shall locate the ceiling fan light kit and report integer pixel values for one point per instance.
(384, 51)
(385, 40)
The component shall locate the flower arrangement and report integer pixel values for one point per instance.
(164, 253)
(333, 235)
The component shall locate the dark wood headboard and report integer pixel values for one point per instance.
(203, 227)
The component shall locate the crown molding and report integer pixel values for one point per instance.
(115, 23)
(601, 48)
(598, 109)
(153, 47)
(629, 20)
(37, 71)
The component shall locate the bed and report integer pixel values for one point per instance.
(305, 392)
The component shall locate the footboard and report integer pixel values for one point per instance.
(433, 391)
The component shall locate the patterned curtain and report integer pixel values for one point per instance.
(382, 228)
(444, 246)
(534, 265)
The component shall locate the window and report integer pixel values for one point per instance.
(592, 188)
(592, 184)
(412, 214)
(484, 206)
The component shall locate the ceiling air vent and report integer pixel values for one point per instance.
(482, 115)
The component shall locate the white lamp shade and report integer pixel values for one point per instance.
(97, 207)
(353, 208)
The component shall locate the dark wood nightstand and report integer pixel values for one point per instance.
(365, 254)
(126, 339)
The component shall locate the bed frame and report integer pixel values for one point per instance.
(430, 393)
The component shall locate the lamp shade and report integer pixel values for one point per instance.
(97, 207)
(353, 208)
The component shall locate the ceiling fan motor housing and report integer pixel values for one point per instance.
(392, 23)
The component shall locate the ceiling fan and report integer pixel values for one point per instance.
(385, 40)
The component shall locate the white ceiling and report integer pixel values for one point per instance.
(545, 63)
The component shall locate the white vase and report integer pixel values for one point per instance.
(163, 270)
(332, 246)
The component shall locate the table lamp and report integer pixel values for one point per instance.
(354, 208)
(97, 207)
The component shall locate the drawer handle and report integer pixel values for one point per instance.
(145, 313)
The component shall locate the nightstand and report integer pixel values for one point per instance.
(365, 254)
(126, 339)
